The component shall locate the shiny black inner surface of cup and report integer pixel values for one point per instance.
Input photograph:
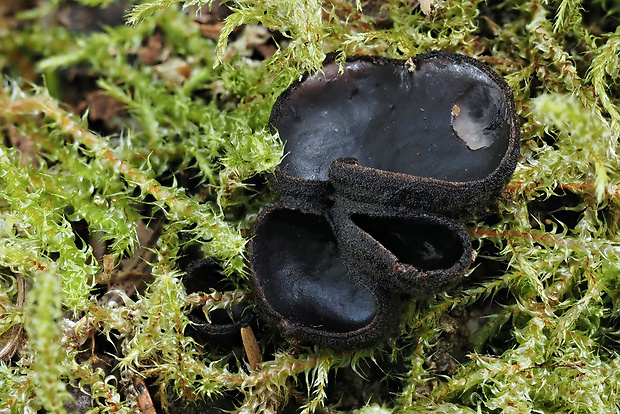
(417, 242)
(303, 276)
(443, 119)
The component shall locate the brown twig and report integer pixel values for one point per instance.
(575, 187)
(534, 236)
(145, 403)
(252, 350)
(12, 345)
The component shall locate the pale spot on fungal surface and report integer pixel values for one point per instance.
(477, 115)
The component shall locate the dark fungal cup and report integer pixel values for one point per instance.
(416, 253)
(304, 284)
(439, 125)
(201, 276)
(382, 160)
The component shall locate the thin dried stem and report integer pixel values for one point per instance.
(15, 336)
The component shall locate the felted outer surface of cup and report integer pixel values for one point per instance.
(416, 253)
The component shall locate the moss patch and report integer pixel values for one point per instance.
(168, 164)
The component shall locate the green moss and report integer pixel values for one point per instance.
(547, 277)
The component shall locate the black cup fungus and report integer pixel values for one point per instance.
(202, 276)
(415, 253)
(383, 156)
(439, 126)
(307, 287)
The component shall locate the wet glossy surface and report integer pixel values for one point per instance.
(420, 243)
(303, 275)
(396, 120)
